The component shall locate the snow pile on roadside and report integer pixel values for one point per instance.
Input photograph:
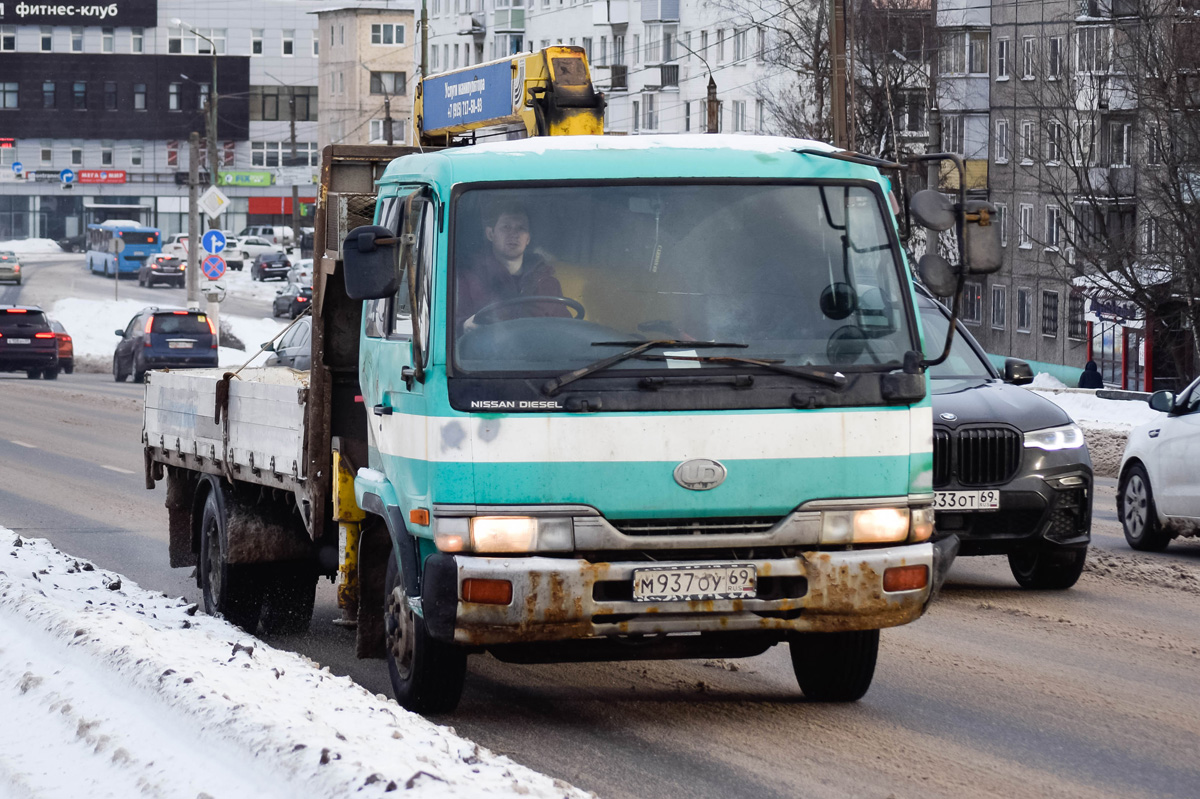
(92, 323)
(239, 284)
(31, 246)
(114, 691)
(1086, 407)
(1046, 380)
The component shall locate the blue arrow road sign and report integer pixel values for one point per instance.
(213, 241)
(213, 267)
(18, 167)
(66, 176)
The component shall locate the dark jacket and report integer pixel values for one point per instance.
(488, 281)
(1091, 376)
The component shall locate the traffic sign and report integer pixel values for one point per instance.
(116, 245)
(213, 202)
(213, 267)
(213, 241)
(18, 167)
(66, 176)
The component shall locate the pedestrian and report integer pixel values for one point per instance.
(1090, 378)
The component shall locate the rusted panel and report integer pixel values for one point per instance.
(263, 532)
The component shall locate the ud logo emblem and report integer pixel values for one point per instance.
(700, 474)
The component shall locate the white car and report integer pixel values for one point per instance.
(1158, 496)
(250, 247)
(176, 246)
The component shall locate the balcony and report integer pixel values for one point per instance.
(668, 76)
(470, 25)
(1117, 181)
(508, 20)
(660, 10)
(976, 172)
(619, 80)
(610, 12)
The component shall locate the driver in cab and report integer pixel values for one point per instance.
(505, 273)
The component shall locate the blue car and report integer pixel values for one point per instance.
(164, 338)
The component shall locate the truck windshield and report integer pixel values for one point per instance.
(555, 278)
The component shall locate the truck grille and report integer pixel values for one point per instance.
(976, 456)
(737, 525)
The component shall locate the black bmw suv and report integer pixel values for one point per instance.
(1011, 471)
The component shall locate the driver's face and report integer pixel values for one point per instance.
(509, 236)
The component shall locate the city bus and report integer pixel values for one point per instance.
(141, 242)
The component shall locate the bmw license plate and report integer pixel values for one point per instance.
(672, 583)
(966, 500)
(180, 345)
(20, 341)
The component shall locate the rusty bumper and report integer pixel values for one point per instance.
(560, 599)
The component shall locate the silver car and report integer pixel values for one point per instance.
(10, 267)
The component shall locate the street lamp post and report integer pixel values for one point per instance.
(211, 111)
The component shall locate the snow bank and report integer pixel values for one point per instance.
(124, 693)
(1047, 380)
(31, 246)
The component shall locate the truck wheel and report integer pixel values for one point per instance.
(1047, 568)
(230, 591)
(291, 593)
(427, 674)
(1139, 516)
(118, 375)
(835, 667)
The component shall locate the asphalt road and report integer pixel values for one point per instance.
(996, 692)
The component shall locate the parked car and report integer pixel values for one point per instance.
(280, 235)
(1158, 494)
(270, 265)
(161, 338)
(27, 342)
(10, 267)
(294, 349)
(176, 245)
(162, 269)
(291, 301)
(73, 243)
(66, 347)
(1011, 471)
(232, 252)
(301, 272)
(250, 247)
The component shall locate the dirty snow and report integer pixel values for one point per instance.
(1085, 407)
(31, 246)
(145, 696)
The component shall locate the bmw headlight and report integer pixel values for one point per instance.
(1068, 436)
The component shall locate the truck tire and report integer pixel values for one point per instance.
(1139, 516)
(233, 592)
(835, 667)
(1042, 568)
(291, 594)
(427, 674)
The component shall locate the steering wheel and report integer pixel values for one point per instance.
(484, 316)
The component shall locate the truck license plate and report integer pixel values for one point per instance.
(966, 500)
(20, 341)
(694, 582)
(179, 345)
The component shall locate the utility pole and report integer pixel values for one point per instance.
(837, 63)
(295, 188)
(934, 121)
(192, 276)
(213, 164)
(714, 107)
(424, 40)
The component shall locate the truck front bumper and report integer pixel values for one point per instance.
(560, 599)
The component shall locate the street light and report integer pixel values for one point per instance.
(211, 124)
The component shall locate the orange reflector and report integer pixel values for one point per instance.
(905, 578)
(419, 516)
(487, 592)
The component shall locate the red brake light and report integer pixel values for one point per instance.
(43, 335)
(302, 299)
(149, 325)
(16, 310)
(179, 313)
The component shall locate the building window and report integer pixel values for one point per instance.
(1054, 143)
(1076, 326)
(637, 114)
(1053, 226)
(1024, 310)
(1154, 145)
(760, 114)
(1054, 58)
(173, 97)
(1024, 232)
(79, 91)
(8, 95)
(47, 153)
(913, 109)
(316, 45)
(720, 44)
(202, 97)
(977, 53)
(378, 133)
(47, 39)
(1002, 59)
(1150, 238)
(649, 112)
(1084, 144)
(387, 34)
(139, 97)
(739, 116)
(256, 41)
(1002, 221)
(953, 126)
(76, 40)
(740, 43)
(136, 154)
(289, 43)
(1091, 50)
(76, 156)
(106, 153)
(1029, 57)
(1027, 145)
(49, 100)
(954, 52)
(110, 95)
(972, 307)
(108, 42)
(1003, 144)
(1120, 143)
(196, 41)
(137, 43)
(8, 38)
(389, 83)
(999, 307)
(279, 153)
(1050, 313)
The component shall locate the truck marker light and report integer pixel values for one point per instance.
(905, 578)
(419, 516)
(487, 592)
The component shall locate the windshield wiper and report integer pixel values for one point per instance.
(636, 348)
(835, 379)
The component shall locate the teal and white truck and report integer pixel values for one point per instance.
(583, 398)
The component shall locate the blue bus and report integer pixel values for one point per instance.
(140, 243)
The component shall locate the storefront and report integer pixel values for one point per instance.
(1120, 343)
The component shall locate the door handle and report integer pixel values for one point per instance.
(382, 410)
(408, 375)
(1153, 433)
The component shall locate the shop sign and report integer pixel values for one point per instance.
(100, 176)
(246, 178)
(140, 13)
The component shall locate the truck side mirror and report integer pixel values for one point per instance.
(1017, 372)
(932, 210)
(938, 275)
(369, 256)
(981, 231)
(1162, 401)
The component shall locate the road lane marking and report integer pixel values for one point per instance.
(23, 444)
(116, 469)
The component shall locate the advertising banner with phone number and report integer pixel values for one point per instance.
(140, 13)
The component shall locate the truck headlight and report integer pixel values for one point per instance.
(1068, 436)
(870, 526)
(496, 534)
